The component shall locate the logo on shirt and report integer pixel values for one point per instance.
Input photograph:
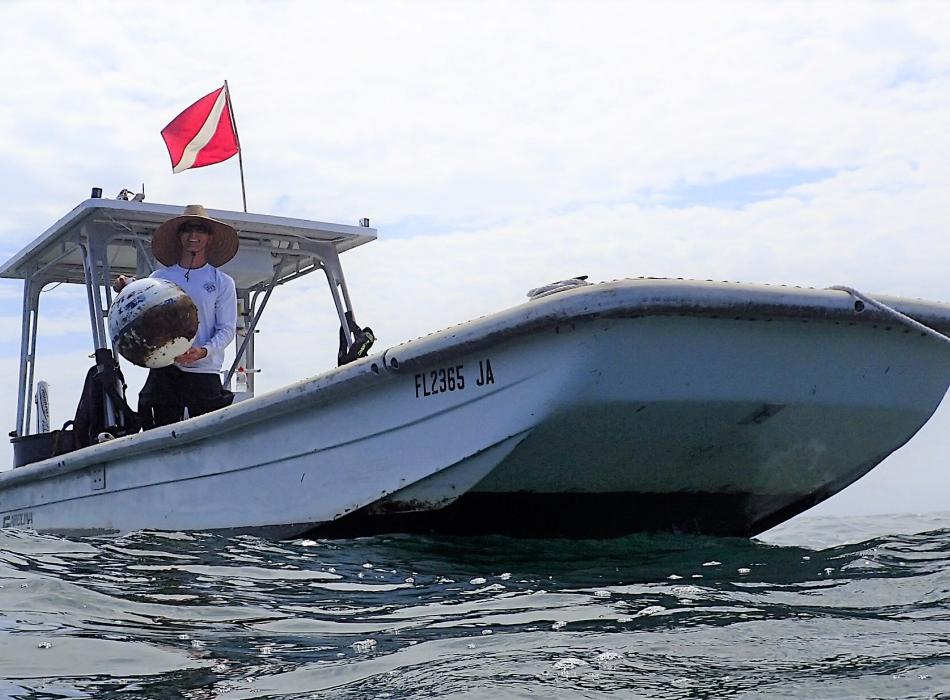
(209, 286)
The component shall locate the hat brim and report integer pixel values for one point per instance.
(166, 246)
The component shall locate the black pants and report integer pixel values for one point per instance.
(168, 391)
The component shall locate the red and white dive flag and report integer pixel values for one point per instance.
(203, 134)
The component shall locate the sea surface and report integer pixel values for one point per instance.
(817, 608)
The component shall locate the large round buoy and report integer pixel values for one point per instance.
(152, 321)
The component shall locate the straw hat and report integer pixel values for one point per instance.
(166, 246)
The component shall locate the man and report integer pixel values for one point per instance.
(192, 247)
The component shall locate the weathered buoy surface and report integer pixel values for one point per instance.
(152, 321)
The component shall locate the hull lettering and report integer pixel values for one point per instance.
(24, 519)
(444, 380)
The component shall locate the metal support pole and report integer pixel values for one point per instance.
(91, 298)
(227, 92)
(143, 260)
(329, 260)
(244, 359)
(95, 314)
(35, 303)
(27, 354)
(250, 364)
(253, 323)
(341, 312)
(99, 269)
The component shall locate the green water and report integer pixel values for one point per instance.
(819, 608)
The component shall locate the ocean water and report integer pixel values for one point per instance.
(818, 608)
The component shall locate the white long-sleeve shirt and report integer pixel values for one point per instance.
(215, 297)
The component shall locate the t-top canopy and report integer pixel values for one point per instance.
(56, 255)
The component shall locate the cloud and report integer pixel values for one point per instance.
(526, 109)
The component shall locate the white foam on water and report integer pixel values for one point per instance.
(608, 659)
(650, 610)
(568, 664)
(687, 590)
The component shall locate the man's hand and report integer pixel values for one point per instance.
(121, 281)
(191, 356)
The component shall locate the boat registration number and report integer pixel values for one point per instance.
(452, 378)
(24, 519)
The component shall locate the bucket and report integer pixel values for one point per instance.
(33, 448)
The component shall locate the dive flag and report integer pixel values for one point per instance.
(203, 134)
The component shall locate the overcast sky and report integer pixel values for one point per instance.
(500, 146)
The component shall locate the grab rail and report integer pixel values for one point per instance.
(894, 313)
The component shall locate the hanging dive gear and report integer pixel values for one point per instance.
(363, 339)
(105, 379)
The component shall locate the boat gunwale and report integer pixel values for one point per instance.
(317, 390)
(647, 297)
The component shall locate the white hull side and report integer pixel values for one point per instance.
(281, 463)
(722, 405)
(656, 420)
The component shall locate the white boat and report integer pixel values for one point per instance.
(591, 410)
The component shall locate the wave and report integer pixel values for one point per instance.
(811, 610)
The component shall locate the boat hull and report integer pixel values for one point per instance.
(597, 412)
(692, 425)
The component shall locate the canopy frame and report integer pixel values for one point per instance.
(100, 239)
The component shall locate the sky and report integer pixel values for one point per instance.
(498, 146)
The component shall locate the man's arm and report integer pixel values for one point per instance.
(225, 314)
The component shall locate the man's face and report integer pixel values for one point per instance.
(194, 237)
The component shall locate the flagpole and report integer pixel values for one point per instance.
(238, 139)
